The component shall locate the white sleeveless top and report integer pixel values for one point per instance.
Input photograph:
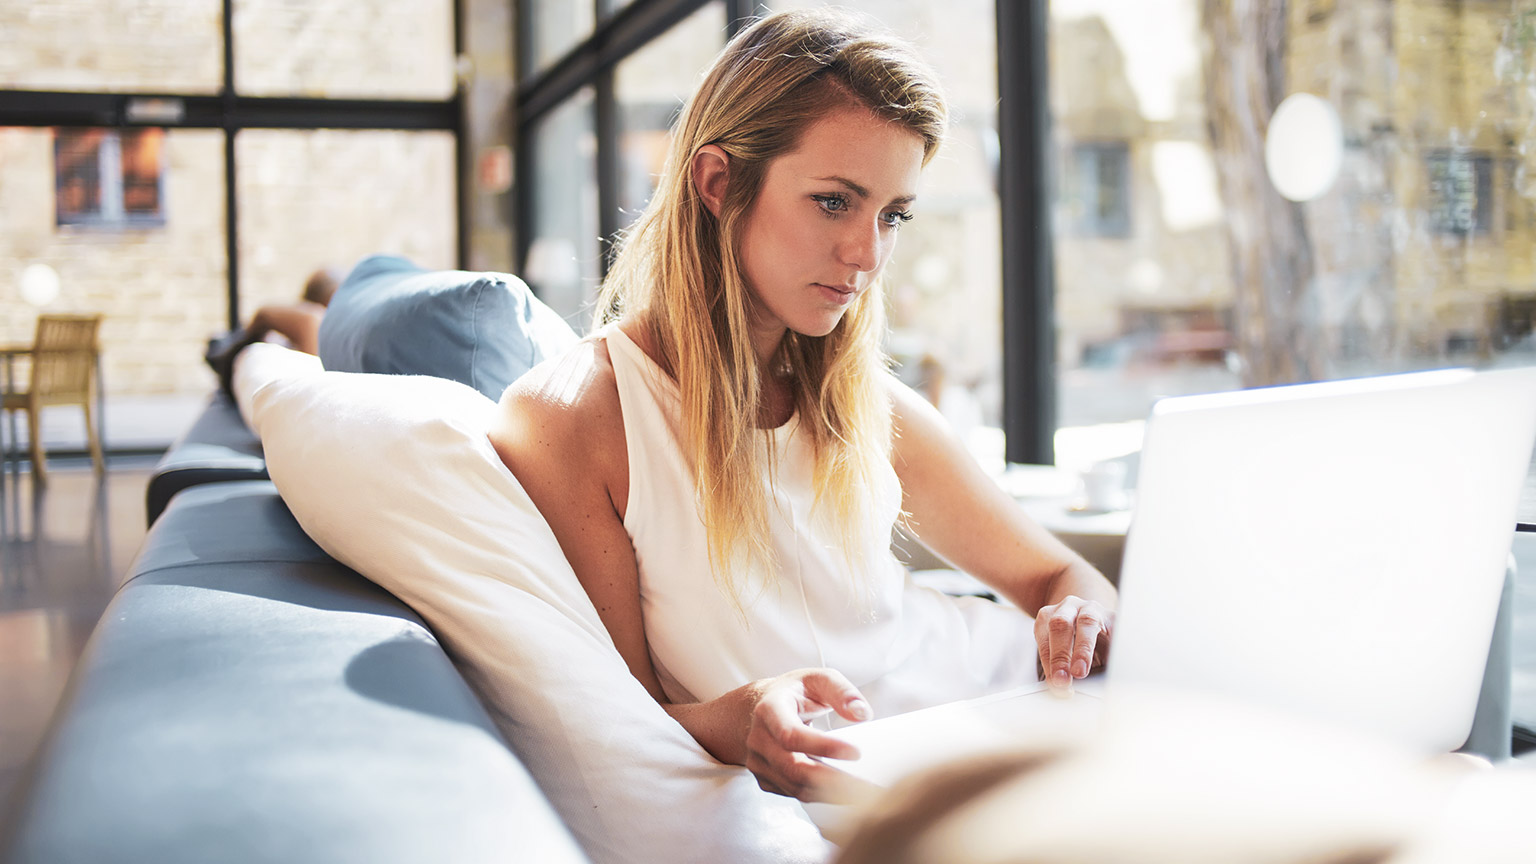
(903, 646)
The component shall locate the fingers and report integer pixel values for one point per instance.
(777, 726)
(830, 688)
(1055, 631)
(783, 752)
(1070, 637)
(798, 776)
(1085, 639)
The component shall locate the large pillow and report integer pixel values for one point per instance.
(480, 329)
(394, 477)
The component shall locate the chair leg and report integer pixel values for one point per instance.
(35, 441)
(98, 461)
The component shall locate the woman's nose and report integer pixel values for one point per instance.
(860, 246)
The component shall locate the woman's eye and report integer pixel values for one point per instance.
(831, 203)
(896, 217)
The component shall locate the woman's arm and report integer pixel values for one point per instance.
(561, 433)
(961, 514)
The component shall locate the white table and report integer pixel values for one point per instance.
(1051, 496)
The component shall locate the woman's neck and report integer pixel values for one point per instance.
(776, 399)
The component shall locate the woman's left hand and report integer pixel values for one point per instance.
(1073, 638)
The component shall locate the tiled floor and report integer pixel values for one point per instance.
(63, 550)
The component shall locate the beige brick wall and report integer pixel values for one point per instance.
(329, 197)
(399, 49)
(162, 290)
(125, 45)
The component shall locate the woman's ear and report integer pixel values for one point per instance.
(711, 174)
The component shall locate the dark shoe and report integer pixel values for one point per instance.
(221, 354)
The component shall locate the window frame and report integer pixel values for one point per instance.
(231, 112)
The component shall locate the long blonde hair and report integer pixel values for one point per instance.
(678, 268)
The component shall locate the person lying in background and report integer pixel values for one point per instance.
(298, 323)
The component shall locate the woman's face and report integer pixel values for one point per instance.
(825, 222)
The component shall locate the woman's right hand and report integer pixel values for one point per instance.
(780, 744)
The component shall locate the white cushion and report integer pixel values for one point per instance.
(394, 477)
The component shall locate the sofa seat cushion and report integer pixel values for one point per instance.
(245, 698)
(480, 329)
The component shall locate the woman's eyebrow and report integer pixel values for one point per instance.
(861, 191)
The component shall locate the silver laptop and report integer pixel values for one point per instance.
(1331, 551)
(1334, 551)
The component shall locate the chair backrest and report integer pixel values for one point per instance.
(64, 356)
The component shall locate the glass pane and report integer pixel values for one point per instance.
(553, 27)
(563, 257)
(162, 287)
(324, 199)
(390, 50)
(650, 87)
(1374, 214)
(944, 284)
(121, 46)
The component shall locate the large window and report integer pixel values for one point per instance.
(650, 87)
(400, 50)
(174, 195)
(563, 260)
(143, 46)
(312, 199)
(161, 284)
(1351, 197)
(1176, 235)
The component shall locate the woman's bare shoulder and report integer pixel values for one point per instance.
(567, 406)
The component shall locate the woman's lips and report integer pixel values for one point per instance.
(841, 294)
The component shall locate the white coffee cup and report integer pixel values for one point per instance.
(1104, 486)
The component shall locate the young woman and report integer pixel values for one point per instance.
(724, 460)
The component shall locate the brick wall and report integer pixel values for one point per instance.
(122, 45)
(162, 290)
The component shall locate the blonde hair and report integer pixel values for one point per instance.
(678, 268)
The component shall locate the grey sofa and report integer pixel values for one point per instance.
(216, 448)
(246, 698)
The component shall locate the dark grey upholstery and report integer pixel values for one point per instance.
(245, 698)
(218, 447)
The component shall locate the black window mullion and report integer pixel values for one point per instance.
(622, 34)
(606, 127)
(590, 63)
(738, 13)
(1029, 332)
(231, 209)
(461, 151)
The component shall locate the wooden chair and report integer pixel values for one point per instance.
(63, 356)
